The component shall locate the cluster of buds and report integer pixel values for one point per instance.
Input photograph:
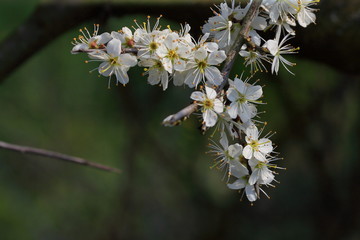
(228, 106)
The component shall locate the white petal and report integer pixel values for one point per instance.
(238, 184)
(213, 75)
(259, 156)
(105, 69)
(247, 152)
(240, 85)
(154, 77)
(232, 94)
(238, 170)
(171, 40)
(114, 47)
(198, 96)
(265, 145)
(224, 141)
(233, 110)
(235, 150)
(104, 38)
(179, 78)
(121, 76)
(253, 92)
(200, 54)
(218, 106)
(216, 57)
(164, 80)
(211, 46)
(128, 60)
(210, 92)
(252, 132)
(179, 65)
(210, 118)
(272, 46)
(254, 177)
(247, 111)
(166, 62)
(251, 193)
(193, 78)
(259, 23)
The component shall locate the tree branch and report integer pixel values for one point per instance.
(56, 155)
(176, 118)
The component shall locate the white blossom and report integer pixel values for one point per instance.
(242, 174)
(125, 36)
(260, 172)
(113, 62)
(225, 154)
(277, 50)
(257, 148)
(210, 105)
(173, 54)
(242, 96)
(89, 42)
(156, 71)
(202, 66)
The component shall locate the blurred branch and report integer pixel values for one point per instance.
(334, 38)
(55, 155)
(174, 119)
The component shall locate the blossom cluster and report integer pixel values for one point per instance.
(229, 106)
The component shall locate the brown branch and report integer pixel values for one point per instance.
(176, 118)
(56, 155)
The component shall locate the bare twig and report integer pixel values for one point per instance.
(56, 155)
(176, 118)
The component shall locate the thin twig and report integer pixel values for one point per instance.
(56, 155)
(176, 118)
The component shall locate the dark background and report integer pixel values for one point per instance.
(166, 190)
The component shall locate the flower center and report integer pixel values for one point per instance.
(172, 54)
(130, 42)
(202, 65)
(113, 61)
(241, 98)
(153, 46)
(208, 104)
(254, 145)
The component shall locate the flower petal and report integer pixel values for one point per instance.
(210, 118)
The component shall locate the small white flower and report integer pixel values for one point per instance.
(125, 36)
(281, 8)
(156, 71)
(148, 39)
(226, 123)
(242, 96)
(210, 105)
(242, 174)
(201, 66)
(221, 27)
(225, 154)
(113, 62)
(173, 54)
(305, 15)
(89, 42)
(257, 148)
(277, 49)
(260, 172)
(254, 59)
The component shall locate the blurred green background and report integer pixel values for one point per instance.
(166, 190)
